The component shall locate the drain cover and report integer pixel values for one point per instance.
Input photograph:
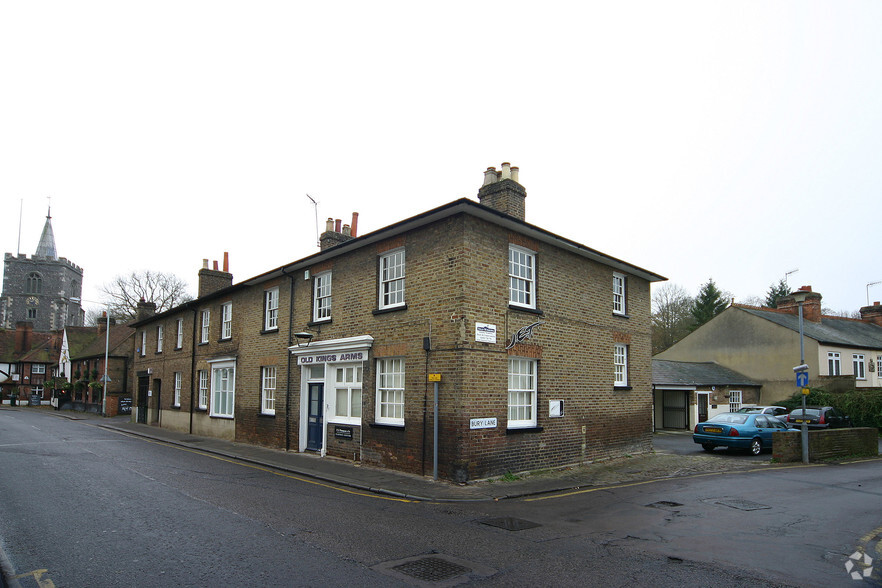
(432, 569)
(742, 504)
(510, 523)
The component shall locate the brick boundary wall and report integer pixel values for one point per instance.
(832, 443)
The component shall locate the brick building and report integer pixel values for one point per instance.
(542, 346)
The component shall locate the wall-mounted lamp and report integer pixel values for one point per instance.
(303, 338)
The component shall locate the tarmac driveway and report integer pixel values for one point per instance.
(681, 443)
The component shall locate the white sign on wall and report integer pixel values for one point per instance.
(482, 423)
(485, 333)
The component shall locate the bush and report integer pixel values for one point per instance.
(863, 406)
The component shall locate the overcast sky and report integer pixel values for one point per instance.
(729, 140)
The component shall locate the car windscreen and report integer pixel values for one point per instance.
(809, 412)
(730, 417)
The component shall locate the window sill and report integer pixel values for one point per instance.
(377, 311)
(225, 339)
(222, 416)
(386, 426)
(319, 323)
(518, 430)
(526, 309)
(266, 415)
(345, 421)
(622, 388)
(197, 409)
(621, 315)
(270, 331)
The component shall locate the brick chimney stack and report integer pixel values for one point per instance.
(214, 280)
(335, 234)
(872, 314)
(23, 331)
(811, 308)
(501, 191)
(145, 310)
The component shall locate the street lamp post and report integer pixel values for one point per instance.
(799, 297)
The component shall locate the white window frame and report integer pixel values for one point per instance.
(223, 389)
(390, 391)
(177, 397)
(204, 389)
(38, 368)
(619, 293)
(179, 337)
(521, 277)
(206, 326)
(159, 333)
(321, 297)
(268, 381)
(392, 272)
(620, 361)
(271, 310)
(735, 400)
(227, 320)
(522, 392)
(834, 364)
(347, 385)
(143, 343)
(859, 366)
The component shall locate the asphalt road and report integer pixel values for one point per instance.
(681, 443)
(83, 506)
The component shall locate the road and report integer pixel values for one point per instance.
(83, 506)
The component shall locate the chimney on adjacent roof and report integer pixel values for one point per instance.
(335, 233)
(872, 314)
(811, 308)
(23, 330)
(501, 191)
(214, 280)
(145, 310)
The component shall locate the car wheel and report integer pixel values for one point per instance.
(708, 447)
(756, 447)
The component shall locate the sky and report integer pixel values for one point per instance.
(733, 141)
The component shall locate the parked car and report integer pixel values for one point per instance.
(818, 417)
(776, 411)
(739, 430)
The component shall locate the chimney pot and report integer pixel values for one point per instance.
(490, 176)
(204, 264)
(514, 173)
(354, 224)
(329, 225)
(347, 230)
(337, 226)
(226, 261)
(214, 265)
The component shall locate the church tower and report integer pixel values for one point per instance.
(39, 289)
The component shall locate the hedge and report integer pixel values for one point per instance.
(863, 406)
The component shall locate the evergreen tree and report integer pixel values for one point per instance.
(776, 291)
(709, 303)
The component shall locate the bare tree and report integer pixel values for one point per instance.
(123, 294)
(671, 316)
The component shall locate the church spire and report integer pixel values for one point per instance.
(46, 248)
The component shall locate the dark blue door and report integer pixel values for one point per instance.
(315, 417)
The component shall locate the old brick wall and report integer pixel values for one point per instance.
(828, 444)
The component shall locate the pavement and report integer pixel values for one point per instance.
(640, 468)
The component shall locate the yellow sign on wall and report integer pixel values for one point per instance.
(434, 377)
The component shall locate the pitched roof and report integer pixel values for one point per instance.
(687, 373)
(461, 206)
(831, 330)
(46, 247)
(119, 334)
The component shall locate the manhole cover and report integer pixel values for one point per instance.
(432, 569)
(510, 523)
(742, 504)
(664, 504)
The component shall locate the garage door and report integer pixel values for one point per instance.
(674, 409)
